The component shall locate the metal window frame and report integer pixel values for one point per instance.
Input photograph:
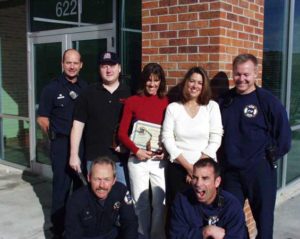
(288, 76)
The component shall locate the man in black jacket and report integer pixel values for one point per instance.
(103, 209)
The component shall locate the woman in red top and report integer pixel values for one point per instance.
(146, 165)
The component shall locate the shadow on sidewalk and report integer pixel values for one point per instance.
(42, 188)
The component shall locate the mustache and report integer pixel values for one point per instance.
(101, 189)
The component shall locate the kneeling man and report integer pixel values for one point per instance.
(205, 211)
(103, 209)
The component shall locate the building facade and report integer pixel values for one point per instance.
(177, 34)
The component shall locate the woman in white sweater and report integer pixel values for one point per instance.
(192, 130)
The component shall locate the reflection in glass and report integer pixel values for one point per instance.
(274, 46)
(89, 50)
(293, 166)
(132, 58)
(131, 39)
(274, 55)
(133, 10)
(42, 147)
(295, 89)
(47, 60)
(15, 141)
(97, 11)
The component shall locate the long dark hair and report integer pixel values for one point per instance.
(205, 95)
(157, 70)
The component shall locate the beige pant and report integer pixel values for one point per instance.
(151, 220)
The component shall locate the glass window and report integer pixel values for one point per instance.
(131, 35)
(57, 14)
(14, 126)
(13, 85)
(293, 166)
(97, 11)
(275, 62)
(274, 54)
(47, 61)
(132, 59)
(295, 96)
(15, 141)
(133, 11)
(274, 46)
(89, 50)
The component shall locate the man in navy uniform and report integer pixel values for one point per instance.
(256, 135)
(97, 115)
(103, 209)
(206, 211)
(55, 116)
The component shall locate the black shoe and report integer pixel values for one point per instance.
(56, 236)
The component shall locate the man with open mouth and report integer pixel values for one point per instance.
(205, 211)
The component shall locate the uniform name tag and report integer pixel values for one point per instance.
(60, 96)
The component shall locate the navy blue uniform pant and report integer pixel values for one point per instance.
(258, 184)
(63, 176)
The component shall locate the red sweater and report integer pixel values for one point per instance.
(147, 108)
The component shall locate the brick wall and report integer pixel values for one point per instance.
(179, 34)
(182, 33)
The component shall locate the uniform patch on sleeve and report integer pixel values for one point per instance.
(128, 198)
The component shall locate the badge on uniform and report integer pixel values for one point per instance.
(117, 205)
(212, 220)
(60, 96)
(87, 215)
(250, 111)
(128, 198)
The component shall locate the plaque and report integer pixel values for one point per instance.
(147, 136)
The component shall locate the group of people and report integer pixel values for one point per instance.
(174, 189)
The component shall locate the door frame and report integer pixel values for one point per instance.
(66, 37)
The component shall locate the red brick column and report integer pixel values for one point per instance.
(179, 34)
(182, 33)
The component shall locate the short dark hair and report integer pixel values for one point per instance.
(242, 58)
(157, 70)
(201, 163)
(70, 49)
(104, 160)
(205, 95)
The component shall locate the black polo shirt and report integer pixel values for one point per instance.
(101, 112)
(57, 105)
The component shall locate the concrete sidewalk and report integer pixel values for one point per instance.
(25, 201)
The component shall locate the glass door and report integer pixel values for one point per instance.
(89, 46)
(45, 62)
